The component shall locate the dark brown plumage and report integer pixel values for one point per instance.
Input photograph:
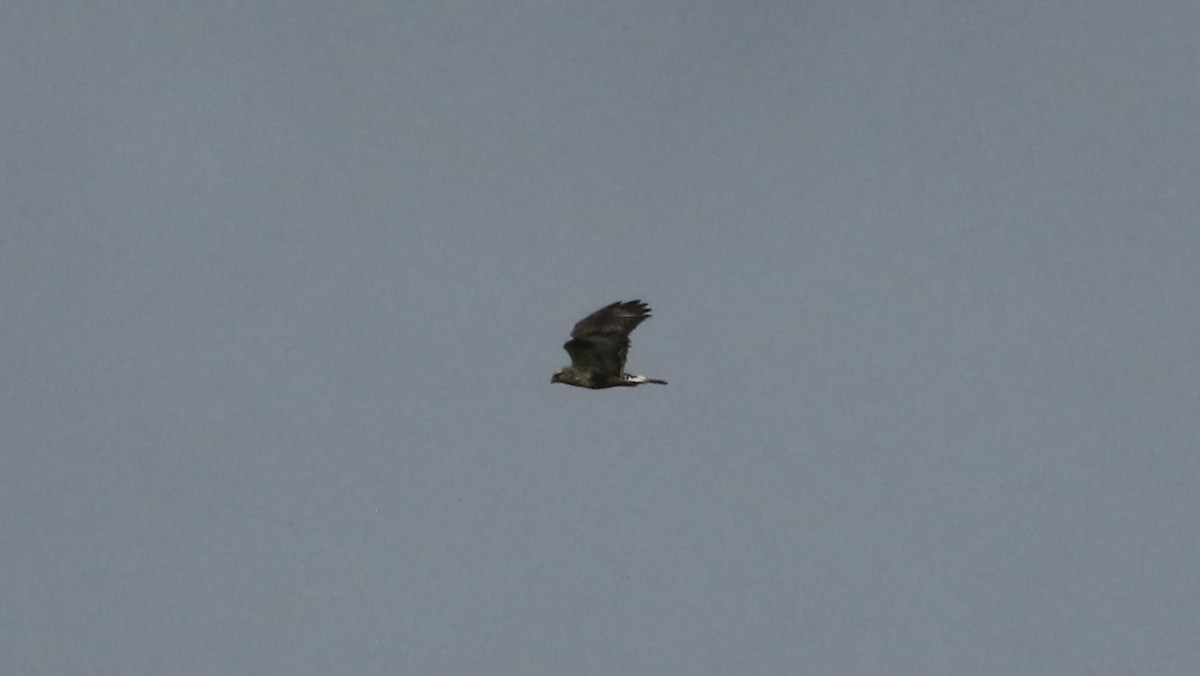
(598, 346)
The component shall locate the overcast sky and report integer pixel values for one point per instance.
(282, 286)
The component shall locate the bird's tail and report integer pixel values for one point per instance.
(634, 379)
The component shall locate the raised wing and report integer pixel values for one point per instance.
(618, 319)
(600, 341)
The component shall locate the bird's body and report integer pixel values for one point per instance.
(598, 346)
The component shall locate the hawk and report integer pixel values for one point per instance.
(598, 345)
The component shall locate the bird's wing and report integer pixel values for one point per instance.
(617, 319)
(601, 353)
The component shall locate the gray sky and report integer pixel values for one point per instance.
(284, 284)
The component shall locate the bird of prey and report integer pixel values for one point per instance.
(598, 345)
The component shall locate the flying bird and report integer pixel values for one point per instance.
(598, 345)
